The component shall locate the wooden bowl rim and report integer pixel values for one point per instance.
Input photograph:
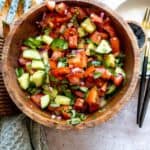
(39, 118)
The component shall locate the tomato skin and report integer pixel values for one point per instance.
(115, 44)
(108, 28)
(79, 94)
(95, 18)
(105, 74)
(74, 78)
(80, 60)
(60, 71)
(89, 71)
(103, 35)
(70, 32)
(73, 41)
(96, 37)
(89, 82)
(65, 115)
(81, 13)
(118, 80)
(92, 100)
(53, 64)
(56, 55)
(37, 99)
(80, 105)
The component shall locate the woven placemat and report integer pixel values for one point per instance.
(7, 107)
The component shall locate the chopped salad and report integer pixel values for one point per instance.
(75, 63)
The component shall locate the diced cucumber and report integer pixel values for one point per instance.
(119, 70)
(33, 42)
(109, 60)
(81, 32)
(45, 100)
(31, 54)
(47, 39)
(24, 81)
(54, 105)
(83, 89)
(50, 91)
(38, 78)
(62, 100)
(111, 89)
(45, 58)
(59, 44)
(90, 47)
(104, 47)
(37, 64)
(88, 25)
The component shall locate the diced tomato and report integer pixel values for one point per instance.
(89, 71)
(73, 41)
(95, 18)
(59, 19)
(54, 34)
(79, 105)
(99, 82)
(83, 59)
(51, 5)
(89, 82)
(101, 93)
(96, 37)
(115, 44)
(105, 74)
(61, 8)
(23, 61)
(103, 35)
(79, 94)
(104, 87)
(53, 64)
(93, 100)
(77, 10)
(110, 30)
(118, 79)
(80, 60)
(56, 55)
(74, 78)
(45, 47)
(37, 99)
(65, 115)
(61, 109)
(51, 109)
(61, 71)
(70, 32)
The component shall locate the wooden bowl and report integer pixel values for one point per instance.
(25, 27)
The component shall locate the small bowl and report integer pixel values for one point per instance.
(25, 27)
(139, 33)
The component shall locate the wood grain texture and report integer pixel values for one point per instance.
(25, 27)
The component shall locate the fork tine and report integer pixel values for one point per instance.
(146, 18)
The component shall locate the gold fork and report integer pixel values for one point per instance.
(143, 98)
(146, 23)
